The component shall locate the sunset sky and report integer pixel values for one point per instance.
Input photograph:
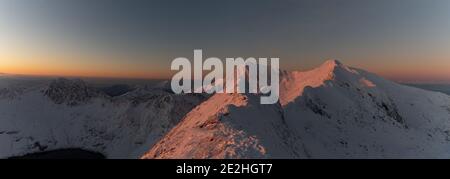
(403, 40)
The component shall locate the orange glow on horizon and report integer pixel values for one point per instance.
(47, 65)
(71, 67)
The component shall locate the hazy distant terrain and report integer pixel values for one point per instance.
(443, 88)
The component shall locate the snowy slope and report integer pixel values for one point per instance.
(228, 126)
(71, 114)
(333, 111)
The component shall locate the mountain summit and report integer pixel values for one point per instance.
(333, 111)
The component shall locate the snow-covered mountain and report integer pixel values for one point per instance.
(333, 111)
(59, 114)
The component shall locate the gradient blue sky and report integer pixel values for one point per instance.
(404, 40)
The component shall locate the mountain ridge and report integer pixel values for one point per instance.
(332, 111)
(65, 113)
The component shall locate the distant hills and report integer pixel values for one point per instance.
(443, 88)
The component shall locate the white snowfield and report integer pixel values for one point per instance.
(70, 114)
(333, 111)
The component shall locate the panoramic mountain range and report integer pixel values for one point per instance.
(332, 111)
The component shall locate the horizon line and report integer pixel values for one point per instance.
(400, 81)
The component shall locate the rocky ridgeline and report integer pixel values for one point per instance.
(70, 92)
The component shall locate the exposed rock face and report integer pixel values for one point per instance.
(70, 92)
